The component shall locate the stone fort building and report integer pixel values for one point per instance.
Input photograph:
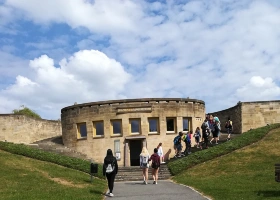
(125, 126)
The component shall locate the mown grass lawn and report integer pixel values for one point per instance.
(26, 178)
(247, 173)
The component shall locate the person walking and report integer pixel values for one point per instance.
(110, 169)
(229, 128)
(197, 136)
(205, 133)
(160, 152)
(144, 164)
(155, 165)
(215, 132)
(177, 145)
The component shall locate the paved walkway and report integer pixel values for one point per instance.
(163, 190)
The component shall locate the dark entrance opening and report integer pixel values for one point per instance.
(135, 151)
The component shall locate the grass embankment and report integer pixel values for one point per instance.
(247, 173)
(26, 178)
(74, 163)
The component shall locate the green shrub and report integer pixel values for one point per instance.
(70, 162)
(247, 138)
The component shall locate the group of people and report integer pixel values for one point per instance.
(210, 127)
(157, 158)
(110, 166)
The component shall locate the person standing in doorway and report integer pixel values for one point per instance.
(155, 165)
(160, 152)
(110, 169)
(144, 164)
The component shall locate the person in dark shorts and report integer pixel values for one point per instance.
(155, 165)
(229, 128)
(178, 145)
(215, 132)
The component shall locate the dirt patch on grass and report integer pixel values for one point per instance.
(19, 164)
(61, 180)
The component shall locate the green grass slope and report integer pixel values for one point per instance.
(247, 173)
(70, 162)
(26, 178)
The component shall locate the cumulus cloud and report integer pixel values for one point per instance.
(207, 50)
(98, 15)
(259, 89)
(88, 75)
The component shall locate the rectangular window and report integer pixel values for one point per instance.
(153, 125)
(82, 130)
(117, 146)
(116, 127)
(135, 126)
(171, 125)
(98, 128)
(186, 124)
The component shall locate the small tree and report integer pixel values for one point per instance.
(27, 111)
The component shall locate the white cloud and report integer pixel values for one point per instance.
(86, 76)
(98, 15)
(259, 89)
(198, 49)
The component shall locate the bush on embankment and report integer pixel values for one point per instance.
(69, 162)
(247, 138)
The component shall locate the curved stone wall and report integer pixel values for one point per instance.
(250, 115)
(235, 114)
(154, 118)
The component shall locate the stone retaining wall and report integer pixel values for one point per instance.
(24, 129)
(250, 115)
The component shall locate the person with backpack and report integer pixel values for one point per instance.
(229, 128)
(178, 145)
(144, 164)
(205, 134)
(215, 132)
(155, 165)
(187, 139)
(110, 169)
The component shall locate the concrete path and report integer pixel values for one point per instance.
(165, 189)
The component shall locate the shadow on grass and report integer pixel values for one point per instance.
(269, 193)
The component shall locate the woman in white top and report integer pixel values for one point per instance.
(160, 152)
(144, 163)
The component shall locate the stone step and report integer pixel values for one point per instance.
(134, 173)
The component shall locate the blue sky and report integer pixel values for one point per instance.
(57, 52)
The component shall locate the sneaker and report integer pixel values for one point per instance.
(144, 182)
(217, 143)
(154, 182)
(108, 192)
(111, 195)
